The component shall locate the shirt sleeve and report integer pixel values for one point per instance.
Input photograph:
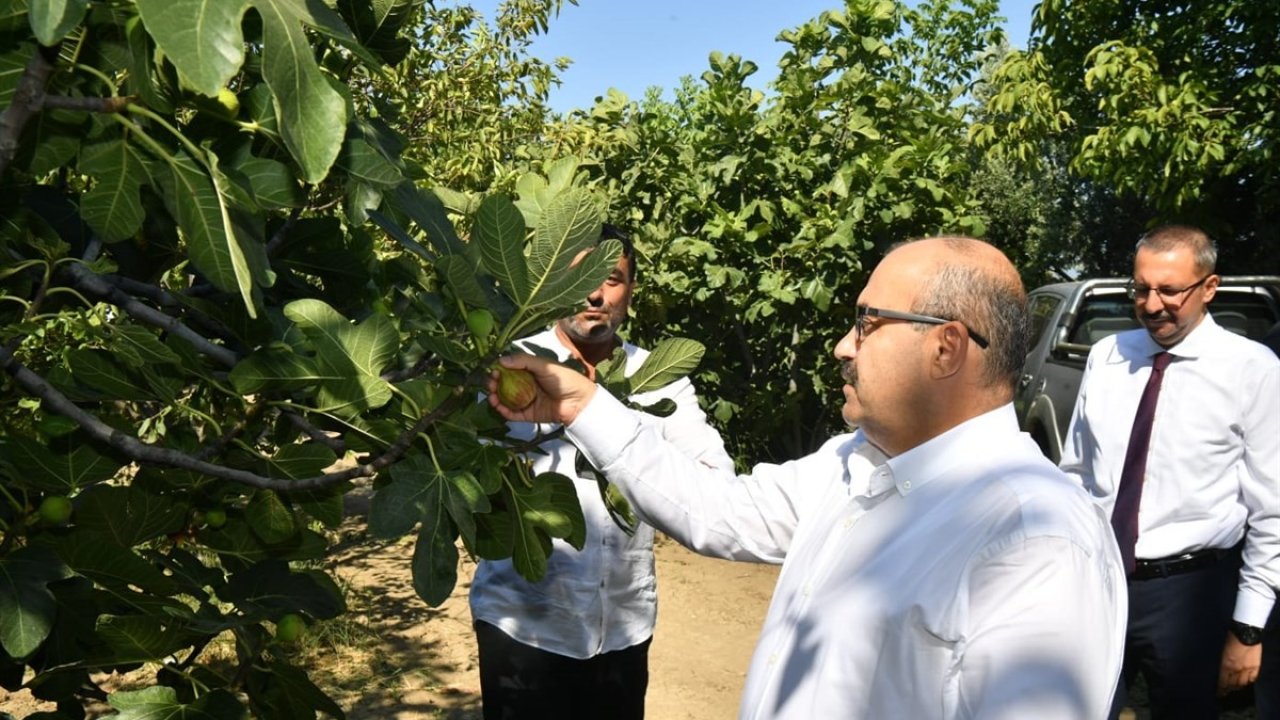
(1260, 492)
(703, 507)
(1078, 445)
(688, 430)
(1036, 646)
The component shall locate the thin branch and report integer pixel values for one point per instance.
(420, 367)
(87, 104)
(283, 233)
(336, 444)
(168, 300)
(94, 284)
(149, 454)
(108, 290)
(536, 441)
(253, 412)
(27, 101)
(97, 285)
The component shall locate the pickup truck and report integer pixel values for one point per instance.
(1068, 318)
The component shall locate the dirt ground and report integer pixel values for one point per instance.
(396, 658)
(709, 616)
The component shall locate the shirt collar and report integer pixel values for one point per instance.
(1138, 343)
(1199, 340)
(978, 437)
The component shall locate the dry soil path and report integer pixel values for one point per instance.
(709, 615)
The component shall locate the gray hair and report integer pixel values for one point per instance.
(1173, 237)
(990, 303)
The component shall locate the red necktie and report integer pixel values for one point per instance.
(1124, 518)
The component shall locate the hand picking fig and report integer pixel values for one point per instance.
(516, 388)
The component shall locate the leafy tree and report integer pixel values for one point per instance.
(205, 344)
(759, 217)
(467, 95)
(1160, 111)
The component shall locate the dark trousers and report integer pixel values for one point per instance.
(519, 682)
(1177, 629)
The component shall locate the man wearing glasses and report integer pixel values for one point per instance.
(934, 563)
(1177, 432)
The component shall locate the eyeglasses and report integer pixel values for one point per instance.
(1169, 296)
(860, 324)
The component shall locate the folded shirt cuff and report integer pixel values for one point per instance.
(1252, 608)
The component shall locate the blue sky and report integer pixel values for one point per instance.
(634, 44)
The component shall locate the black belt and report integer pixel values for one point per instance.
(1178, 564)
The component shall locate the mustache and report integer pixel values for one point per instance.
(849, 372)
(1158, 315)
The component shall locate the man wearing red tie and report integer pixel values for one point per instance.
(1177, 432)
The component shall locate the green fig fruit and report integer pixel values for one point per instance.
(229, 103)
(55, 510)
(516, 388)
(290, 627)
(215, 517)
(480, 322)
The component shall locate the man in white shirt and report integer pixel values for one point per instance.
(575, 644)
(934, 564)
(1209, 487)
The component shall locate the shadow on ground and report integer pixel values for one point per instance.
(392, 656)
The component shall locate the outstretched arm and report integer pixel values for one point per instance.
(707, 509)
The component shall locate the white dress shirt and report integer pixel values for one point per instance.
(965, 578)
(1214, 460)
(603, 597)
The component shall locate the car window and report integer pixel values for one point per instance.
(1243, 312)
(1042, 309)
(1240, 310)
(1103, 314)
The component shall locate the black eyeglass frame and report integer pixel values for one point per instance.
(1132, 290)
(865, 311)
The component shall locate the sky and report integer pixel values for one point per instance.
(634, 44)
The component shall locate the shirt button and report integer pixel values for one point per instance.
(773, 659)
(807, 590)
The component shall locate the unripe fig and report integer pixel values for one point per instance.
(516, 388)
(229, 103)
(480, 322)
(215, 517)
(290, 627)
(55, 509)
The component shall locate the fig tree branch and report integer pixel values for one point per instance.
(29, 100)
(149, 454)
(164, 299)
(282, 234)
(94, 284)
(112, 104)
